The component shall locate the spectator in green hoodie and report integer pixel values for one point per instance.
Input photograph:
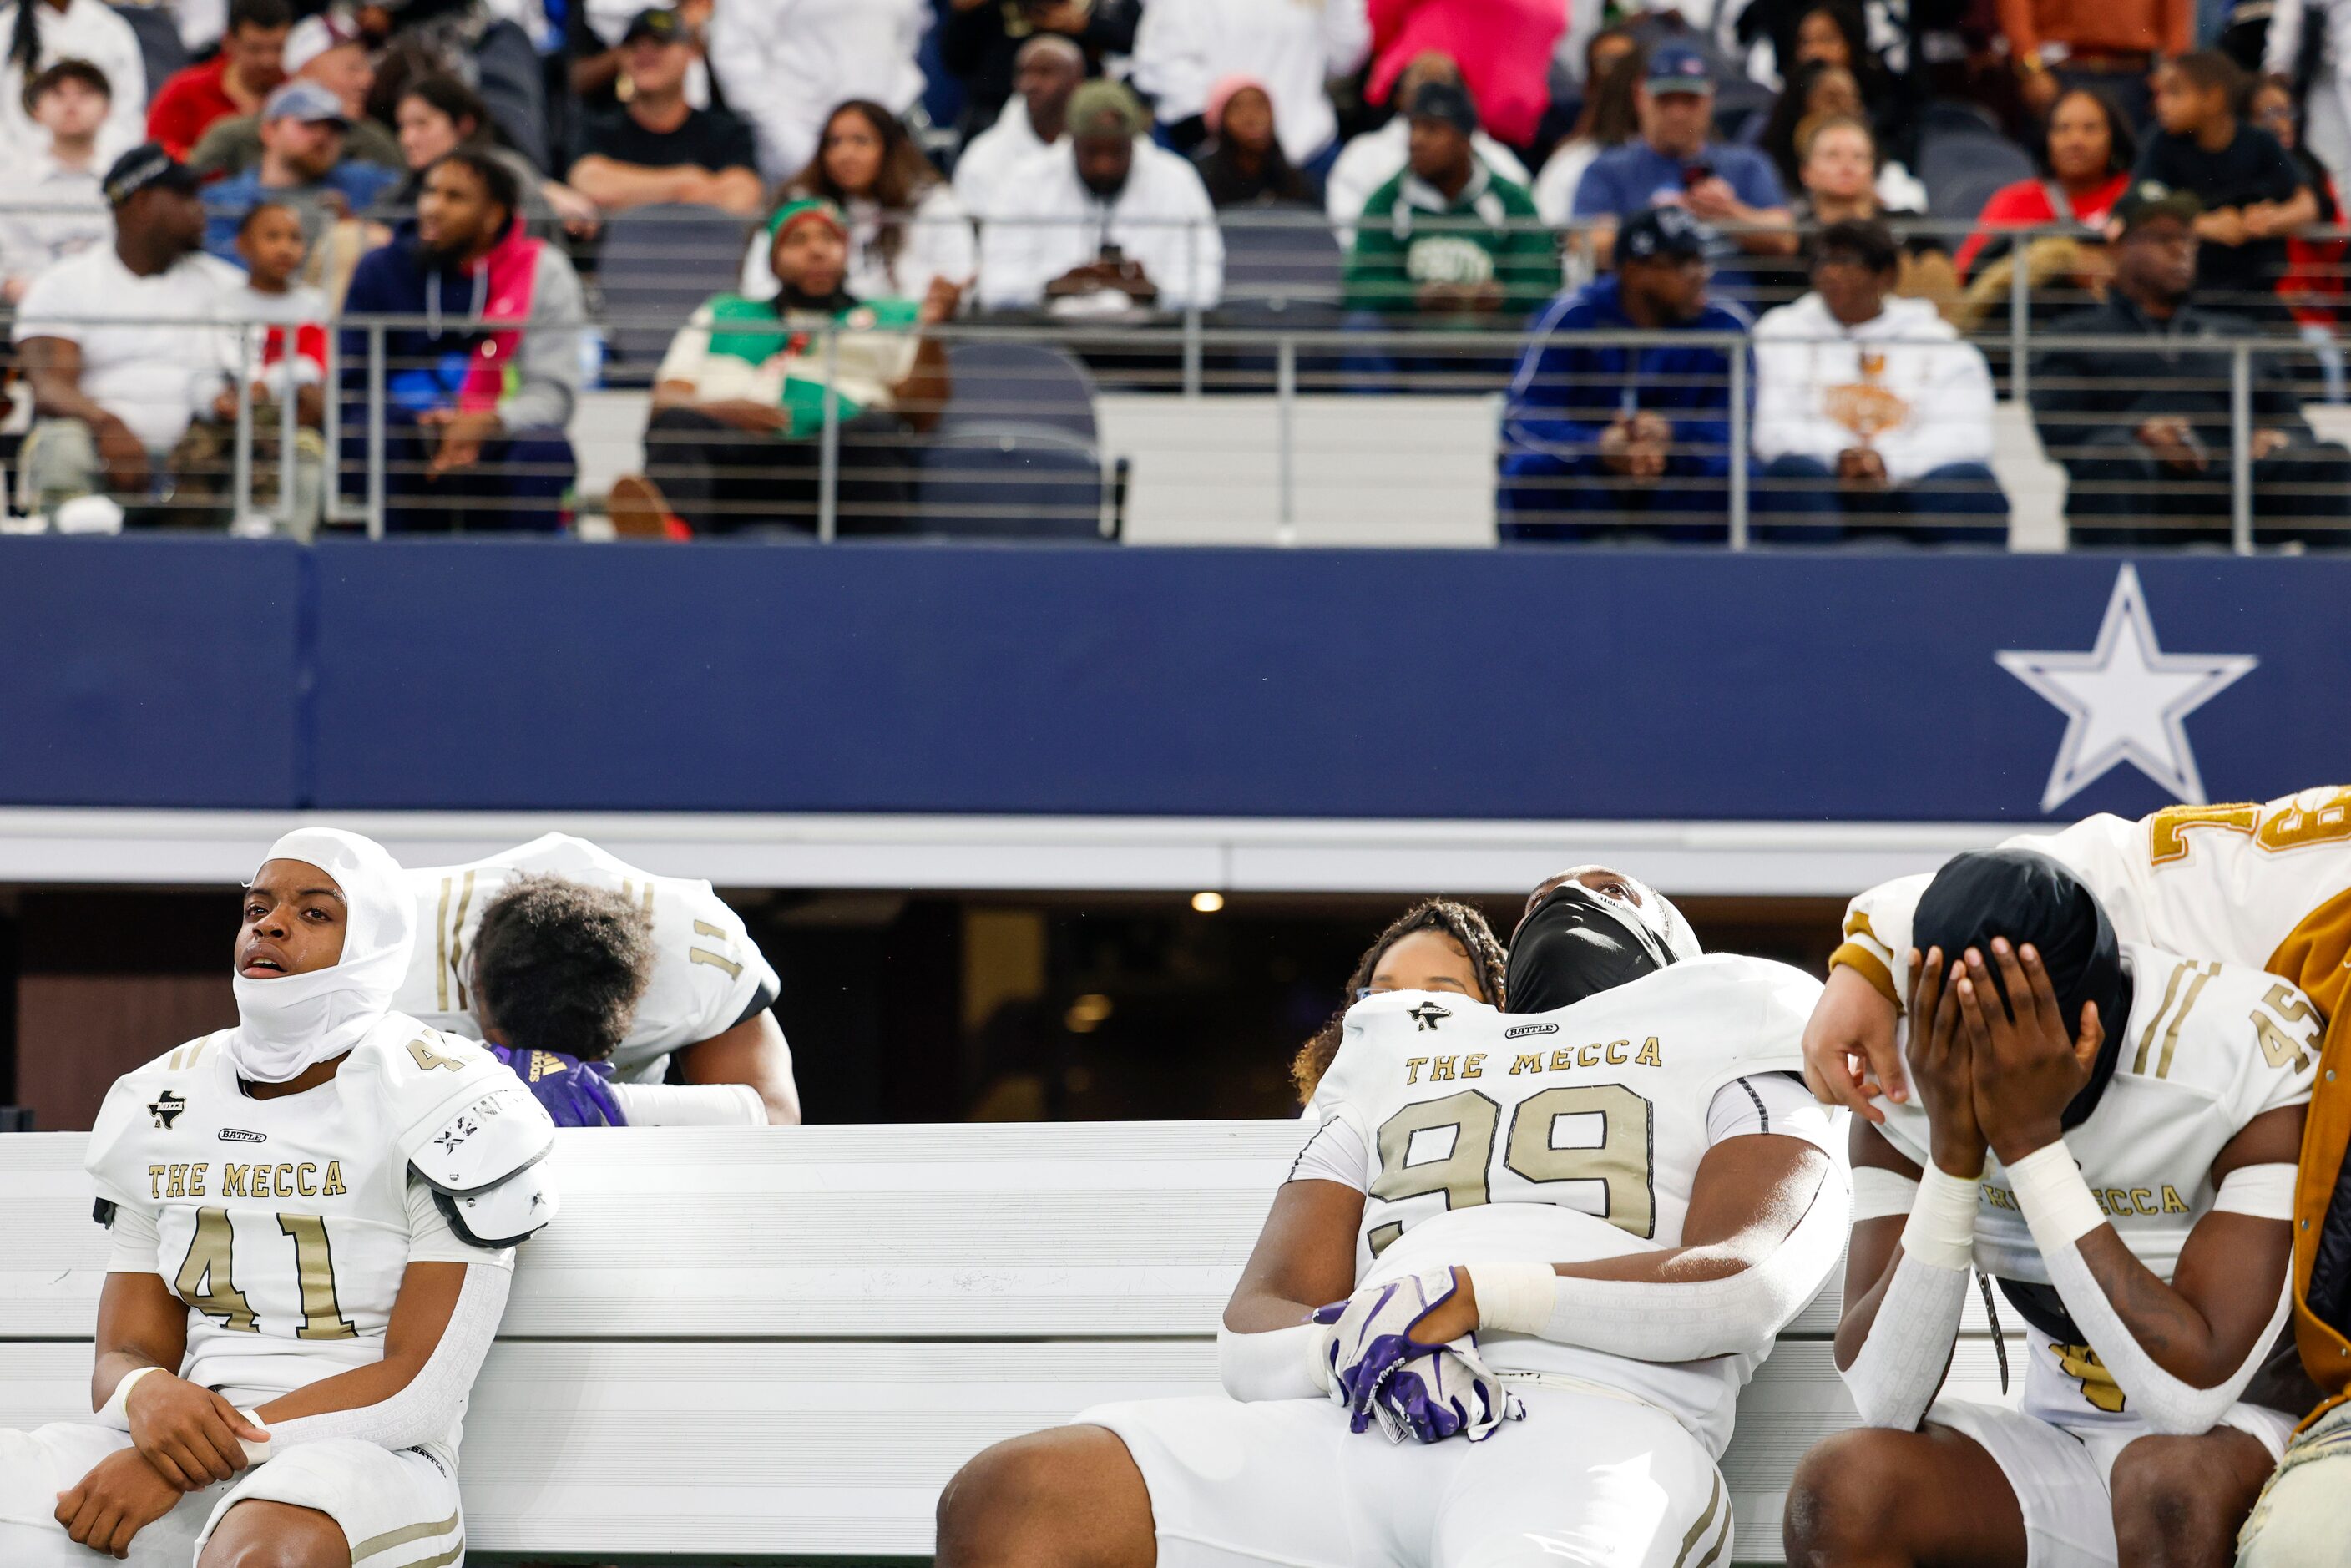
(1448, 244)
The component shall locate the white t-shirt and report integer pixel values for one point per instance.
(152, 377)
(84, 30)
(48, 212)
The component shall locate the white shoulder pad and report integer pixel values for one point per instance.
(483, 1167)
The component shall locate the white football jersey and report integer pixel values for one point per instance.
(283, 1224)
(2265, 885)
(708, 976)
(2208, 1048)
(1554, 1137)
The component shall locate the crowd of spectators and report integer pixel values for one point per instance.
(1767, 171)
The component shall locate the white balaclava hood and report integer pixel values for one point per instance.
(292, 1022)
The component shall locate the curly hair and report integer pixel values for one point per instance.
(1468, 931)
(560, 966)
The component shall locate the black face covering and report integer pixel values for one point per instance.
(2028, 897)
(1576, 945)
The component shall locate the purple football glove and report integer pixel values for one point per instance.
(1448, 1391)
(1380, 1374)
(576, 1093)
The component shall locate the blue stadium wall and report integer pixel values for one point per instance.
(923, 678)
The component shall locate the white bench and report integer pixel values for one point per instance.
(780, 1344)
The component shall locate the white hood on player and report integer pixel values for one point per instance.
(288, 1024)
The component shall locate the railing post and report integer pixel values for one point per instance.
(828, 488)
(241, 487)
(330, 503)
(1739, 445)
(290, 430)
(375, 485)
(2240, 449)
(1285, 406)
(2020, 318)
(1192, 350)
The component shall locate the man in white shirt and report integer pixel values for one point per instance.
(1105, 224)
(1184, 47)
(1045, 72)
(1373, 159)
(114, 386)
(786, 66)
(71, 30)
(50, 207)
(1870, 406)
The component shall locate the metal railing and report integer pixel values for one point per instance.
(1011, 447)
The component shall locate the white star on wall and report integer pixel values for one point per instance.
(2125, 700)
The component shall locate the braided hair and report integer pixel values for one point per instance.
(1468, 931)
(25, 41)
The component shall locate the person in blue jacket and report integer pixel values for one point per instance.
(1600, 438)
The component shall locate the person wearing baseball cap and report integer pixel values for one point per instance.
(658, 147)
(1446, 243)
(1675, 162)
(303, 131)
(739, 400)
(110, 386)
(2146, 438)
(331, 50)
(1638, 436)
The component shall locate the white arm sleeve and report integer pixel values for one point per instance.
(1775, 1102)
(133, 1242)
(690, 1104)
(2168, 1405)
(1741, 1313)
(1900, 1367)
(1287, 1363)
(434, 1398)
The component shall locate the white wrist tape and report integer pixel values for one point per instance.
(2168, 1405)
(690, 1104)
(1513, 1298)
(116, 1411)
(1284, 1364)
(2056, 1201)
(1941, 1232)
(1671, 1319)
(1894, 1377)
(1881, 1194)
(254, 1453)
(2258, 1192)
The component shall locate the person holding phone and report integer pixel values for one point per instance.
(1731, 189)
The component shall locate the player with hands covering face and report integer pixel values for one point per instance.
(2107, 1132)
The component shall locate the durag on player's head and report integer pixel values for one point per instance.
(1590, 930)
(2028, 897)
(323, 947)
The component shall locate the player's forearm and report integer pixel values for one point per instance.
(353, 1390)
(2175, 1335)
(114, 1365)
(1265, 1311)
(753, 1052)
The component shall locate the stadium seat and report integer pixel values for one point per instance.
(1016, 454)
(1280, 256)
(657, 266)
(160, 48)
(779, 1345)
(1961, 162)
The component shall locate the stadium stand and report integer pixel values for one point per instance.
(781, 1346)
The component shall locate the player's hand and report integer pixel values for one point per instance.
(1861, 466)
(1943, 1061)
(1849, 1052)
(189, 1434)
(2026, 1070)
(575, 1094)
(122, 1496)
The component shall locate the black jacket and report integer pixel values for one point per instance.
(2079, 393)
(977, 47)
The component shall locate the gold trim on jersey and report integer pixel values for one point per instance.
(186, 1056)
(404, 1535)
(1705, 1522)
(2198, 976)
(1868, 966)
(703, 954)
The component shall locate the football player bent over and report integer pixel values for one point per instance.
(2109, 1132)
(1594, 1211)
(313, 1217)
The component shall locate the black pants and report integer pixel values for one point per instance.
(2120, 494)
(722, 480)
